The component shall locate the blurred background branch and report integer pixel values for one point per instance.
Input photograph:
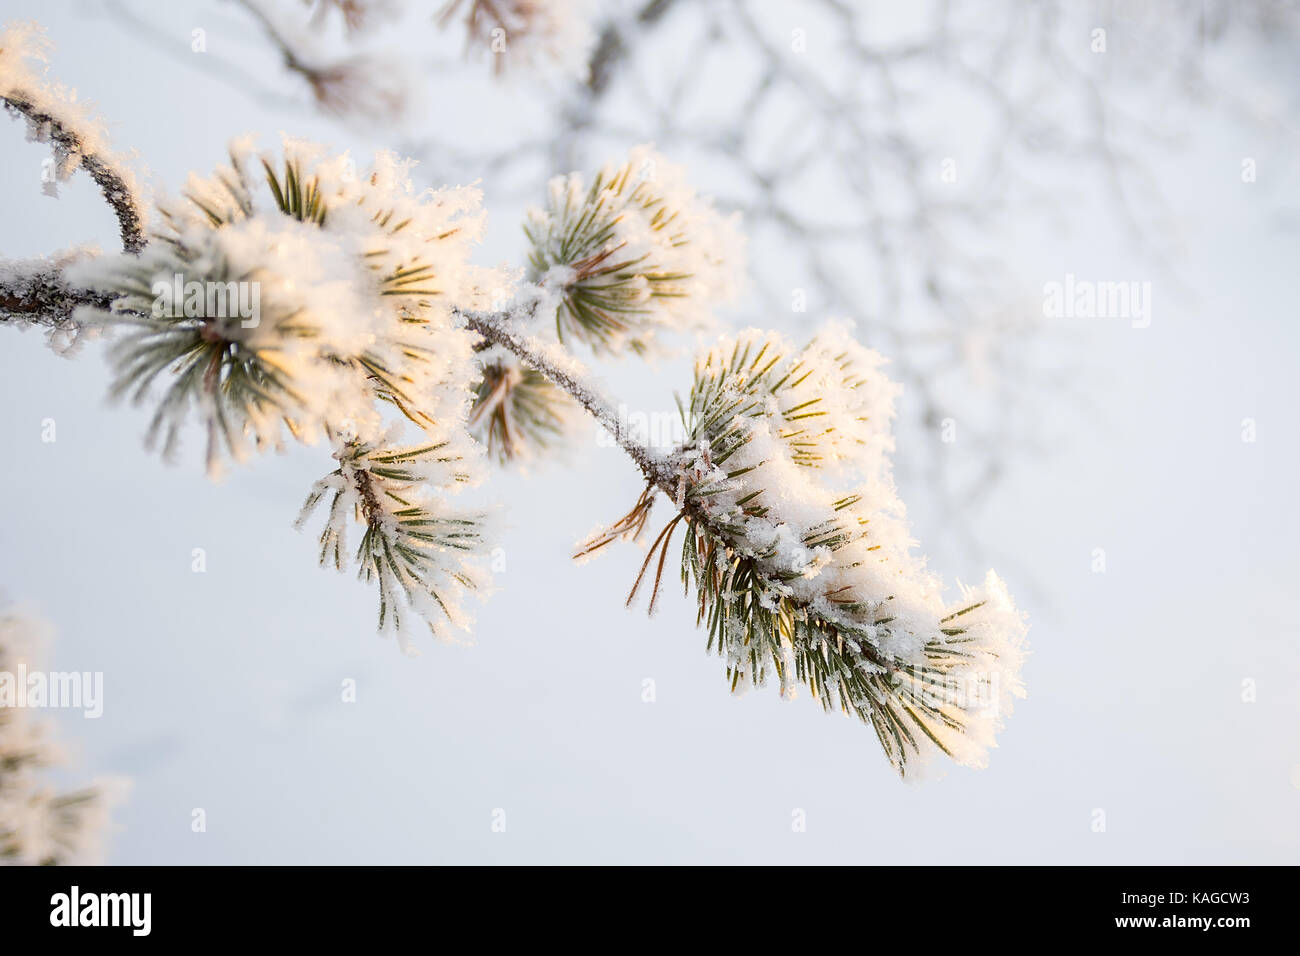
(880, 158)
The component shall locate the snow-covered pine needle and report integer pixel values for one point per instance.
(294, 295)
(288, 295)
(424, 555)
(517, 412)
(632, 254)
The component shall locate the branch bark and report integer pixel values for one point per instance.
(37, 293)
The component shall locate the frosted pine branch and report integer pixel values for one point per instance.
(290, 296)
(54, 116)
(37, 292)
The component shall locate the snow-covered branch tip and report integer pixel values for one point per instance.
(55, 116)
(797, 549)
(292, 296)
(633, 254)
